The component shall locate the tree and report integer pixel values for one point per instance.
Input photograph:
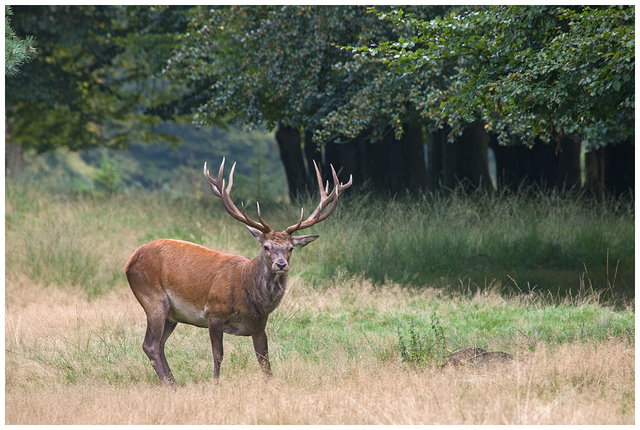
(16, 53)
(530, 73)
(282, 67)
(93, 82)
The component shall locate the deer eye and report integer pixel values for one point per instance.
(266, 247)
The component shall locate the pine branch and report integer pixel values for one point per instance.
(17, 51)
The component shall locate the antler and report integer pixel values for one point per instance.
(326, 198)
(218, 188)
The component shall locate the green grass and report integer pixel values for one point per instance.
(520, 243)
(368, 327)
(523, 242)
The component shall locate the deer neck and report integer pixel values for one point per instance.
(265, 288)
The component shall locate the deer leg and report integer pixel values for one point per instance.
(169, 326)
(262, 351)
(153, 345)
(215, 333)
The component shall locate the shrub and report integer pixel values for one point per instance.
(419, 349)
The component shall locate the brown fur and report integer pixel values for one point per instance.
(182, 282)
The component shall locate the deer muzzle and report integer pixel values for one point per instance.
(280, 266)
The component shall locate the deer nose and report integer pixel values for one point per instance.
(281, 265)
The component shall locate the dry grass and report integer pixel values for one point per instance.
(581, 382)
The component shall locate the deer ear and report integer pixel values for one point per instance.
(257, 234)
(300, 241)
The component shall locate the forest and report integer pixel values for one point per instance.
(406, 100)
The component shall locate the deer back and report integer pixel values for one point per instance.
(192, 279)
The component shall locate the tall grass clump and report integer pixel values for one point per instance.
(538, 241)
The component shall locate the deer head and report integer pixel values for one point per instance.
(277, 246)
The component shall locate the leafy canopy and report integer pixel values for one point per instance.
(94, 82)
(283, 65)
(527, 71)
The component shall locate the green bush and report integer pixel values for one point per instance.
(109, 176)
(420, 348)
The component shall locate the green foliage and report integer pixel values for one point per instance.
(93, 82)
(526, 71)
(17, 51)
(109, 176)
(269, 65)
(420, 349)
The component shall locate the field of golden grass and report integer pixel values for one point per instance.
(74, 360)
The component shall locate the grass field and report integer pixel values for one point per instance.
(73, 330)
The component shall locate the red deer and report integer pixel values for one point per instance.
(181, 282)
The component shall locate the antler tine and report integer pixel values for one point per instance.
(218, 188)
(295, 227)
(260, 218)
(217, 184)
(326, 198)
(340, 186)
(233, 169)
(335, 179)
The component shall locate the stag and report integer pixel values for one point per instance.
(182, 282)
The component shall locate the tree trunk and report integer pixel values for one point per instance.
(415, 172)
(557, 165)
(398, 165)
(546, 166)
(289, 142)
(473, 162)
(571, 161)
(349, 156)
(435, 148)
(464, 161)
(594, 170)
(509, 164)
(619, 162)
(13, 153)
(312, 153)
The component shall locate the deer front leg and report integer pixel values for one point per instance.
(215, 333)
(262, 351)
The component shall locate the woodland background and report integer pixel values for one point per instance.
(407, 100)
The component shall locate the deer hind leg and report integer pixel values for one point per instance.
(169, 326)
(158, 330)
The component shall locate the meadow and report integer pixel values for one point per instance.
(548, 279)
